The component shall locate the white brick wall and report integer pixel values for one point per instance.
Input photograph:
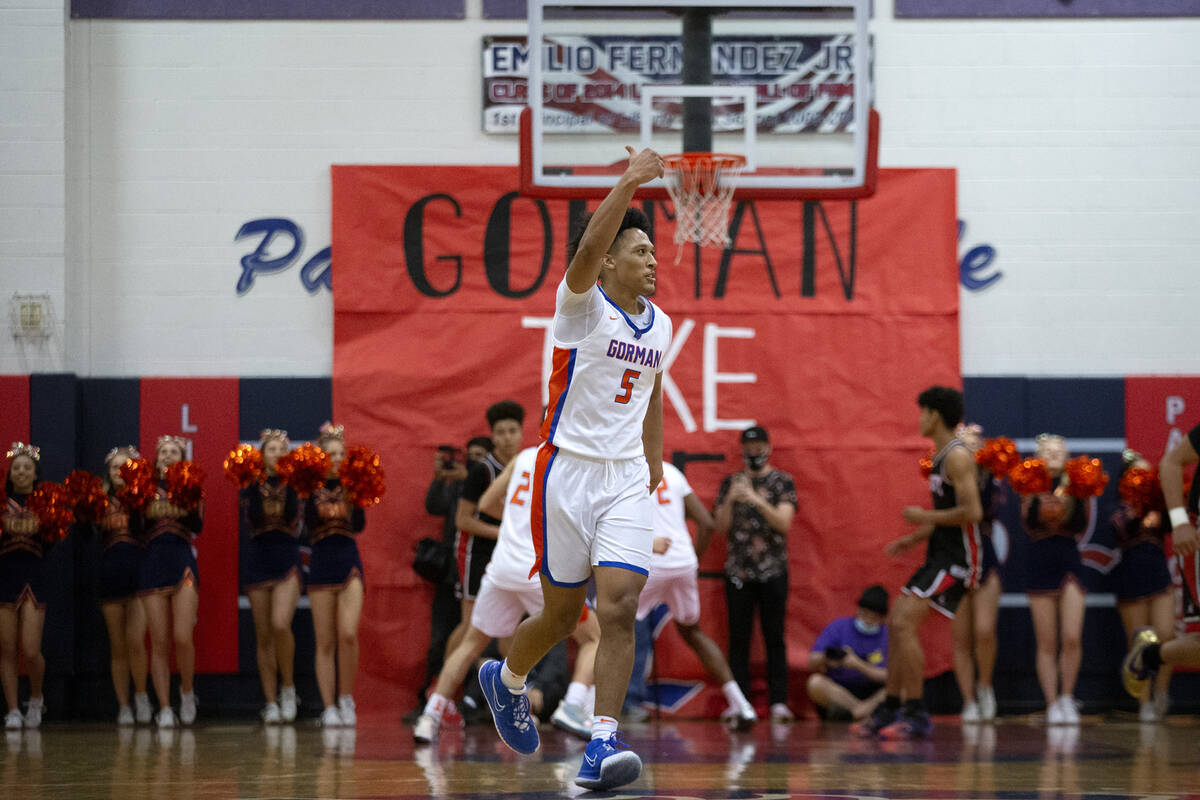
(32, 187)
(1077, 144)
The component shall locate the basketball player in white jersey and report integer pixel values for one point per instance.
(508, 592)
(672, 581)
(595, 472)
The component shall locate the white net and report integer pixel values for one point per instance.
(701, 187)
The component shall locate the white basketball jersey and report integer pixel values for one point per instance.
(600, 386)
(514, 556)
(669, 520)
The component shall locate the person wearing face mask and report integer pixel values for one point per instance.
(754, 508)
(849, 661)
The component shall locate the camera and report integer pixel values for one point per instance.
(449, 455)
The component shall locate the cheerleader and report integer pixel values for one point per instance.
(1143, 584)
(335, 584)
(120, 571)
(21, 587)
(272, 577)
(169, 588)
(1053, 520)
(974, 626)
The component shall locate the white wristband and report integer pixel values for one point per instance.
(1179, 516)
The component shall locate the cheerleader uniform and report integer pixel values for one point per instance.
(272, 511)
(333, 523)
(121, 561)
(169, 561)
(22, 573)
(1142, 571)
(989, 500)
(1054, 553)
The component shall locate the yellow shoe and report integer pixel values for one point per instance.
(1133, 669)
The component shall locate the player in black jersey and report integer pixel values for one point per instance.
(1147, 655)
(952, 565)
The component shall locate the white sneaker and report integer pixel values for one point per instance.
(987, 703)
(1070, 711)
(573, 719)
(166, 718)
(971, 713)
(1162, 704)
(346, 709)
(14, 721)
(187, 707)
(781, 713)
(270, 714)
(143, 712)
(1055, 714)
(288, 703)
(33, 713)
(125, 716)
(330, 718)
(426, 729)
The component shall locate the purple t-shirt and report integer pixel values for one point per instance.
(871, 649)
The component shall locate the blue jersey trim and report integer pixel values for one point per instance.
(562, 399)
(637, 332)
(623, 565)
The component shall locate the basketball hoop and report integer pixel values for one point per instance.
(701, 187)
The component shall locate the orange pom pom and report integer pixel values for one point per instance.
(55, 509)
(998, 456)
(362, 476)
(1030, 477)
(185, 484)
(926, 464)
(244, 466)
(304, 469)
(140, 487)
(1140, 490)
(1086, 477)
(87, 494)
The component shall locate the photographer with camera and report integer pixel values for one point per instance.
(849, 661)
(437, 556)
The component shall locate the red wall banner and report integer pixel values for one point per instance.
(205, 412)
(14, 421)
(1159, 411)
(822, 322)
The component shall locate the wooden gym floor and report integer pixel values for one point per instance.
(1105, 759)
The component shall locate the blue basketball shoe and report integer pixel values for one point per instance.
(607, 764)
(510, 712)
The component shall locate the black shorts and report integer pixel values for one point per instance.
(1189, 571)
(990, 561)
(1142, 572)
(860, 690)
(1053, 561)
(474, 553)
(944, 581)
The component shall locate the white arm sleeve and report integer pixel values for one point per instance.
(576, 315)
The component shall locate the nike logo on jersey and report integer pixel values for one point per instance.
(634, 354)
(614, 319)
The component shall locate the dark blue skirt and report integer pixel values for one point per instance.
(1052, 562)
(1142, 572)
(335, 561)
(22, 577)
(989, 562)
(272, 557)
(168, 562)
(120, 571)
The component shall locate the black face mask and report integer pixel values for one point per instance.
(755, 463)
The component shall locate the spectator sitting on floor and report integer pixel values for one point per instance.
(849, 661)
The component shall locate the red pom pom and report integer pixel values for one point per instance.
(303, 469)
(55, 509)
(140, 487)
(87, 494)
(1030, 477)
(185, 484)
(244, 466)
(1140, 490)
(998, 456)
(1086, 477)
(926, 464)
(362, 476)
